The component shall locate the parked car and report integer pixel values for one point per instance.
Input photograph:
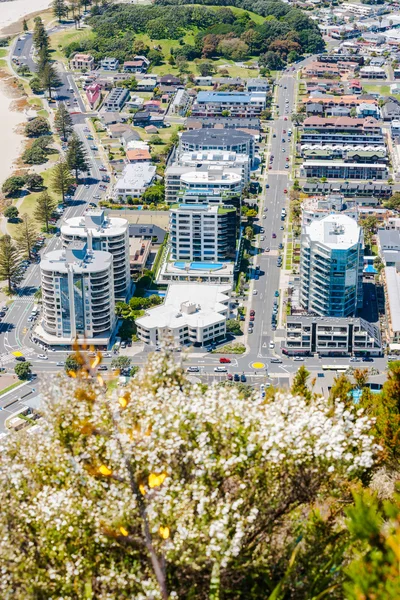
(229, 377)
(243, 378)
(252, 312)
(236, 377)
(276, 293)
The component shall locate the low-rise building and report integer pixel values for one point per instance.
(109, 64)
(371, 72)
(116, 99)
(134, 181)
(388, 241)
(318, 207)
(93, 95)
(392, 295)
(331, 336)
(365, 110)
(138, 155)
(235, 104)
(139, 252)
(181, 102)
(139, 64)
(365, 193)
(258, 84)
(343, 170)
(81, 62)
(190, 314)
(341, 130)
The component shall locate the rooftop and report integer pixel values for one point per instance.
(96, 222)
(136, 176)
(76, 258)
(216, 137)
(334, 231)
(206, 302)
(392, 277)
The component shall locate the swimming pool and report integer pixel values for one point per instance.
(199, 266)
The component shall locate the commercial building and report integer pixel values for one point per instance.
(331, 266)
(116, 99)
(343, 170)
(191, 314)
(109, 234)
(134, 181)
(202, 232)
(230, 140)
(331, 336)
(77, 296)
(82, 62)
(237, 104)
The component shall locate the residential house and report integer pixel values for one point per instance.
(315, 109)
(138, 155)
(116, 130)
(337, 111)
(388, 241)
(355, 87)
(141, 118)
(317, 69)
(81, 62)
(146, 85)
(134, 102)
(170, 80)
(391, 109)
(93, 95)
(367, 110)
(180, 104)
(351, 101)
(109, 64)
(129, 136)
(258, 84)
(152, 105)
(139, 64)
(372, 73)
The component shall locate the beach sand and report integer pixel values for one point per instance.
(14, 11)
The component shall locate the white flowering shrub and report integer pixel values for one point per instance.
(162, 490)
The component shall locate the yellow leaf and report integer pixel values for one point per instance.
(142, 489)
(71, 374)
(104, 470)
(123, 531)
(164, 532)
(96, 361)
(100, 379)
(156, 480)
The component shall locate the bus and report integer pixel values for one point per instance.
(338, 368)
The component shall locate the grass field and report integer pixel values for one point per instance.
(221, 63)
(61, 39)
(377, 89)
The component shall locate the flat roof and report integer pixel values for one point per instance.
(136, 176)
(216, 137)
(61, 261)
(329, 163)
(238, 97)
(334, 231)
(208, 300)
(217, 176)
(98, 224)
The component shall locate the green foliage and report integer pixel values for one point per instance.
(154, 194)
(341, 389)
(11, 213)
(72, 363)
(13, 185)
(34, 181)
(233, 348)
(299, 385)
(63, 121)
(61, 178)
(233, 326)
(121, 362)
(10, 262)
(36, 127)
(127, 329)
(26, 235)
(37, 153)
(76, 156)
(23, 370)
(45, 207)
(36, 85)
(394, 202)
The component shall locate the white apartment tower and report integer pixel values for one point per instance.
(109, 234)
(77, 295)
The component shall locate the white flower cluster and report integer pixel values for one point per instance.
(208, 465)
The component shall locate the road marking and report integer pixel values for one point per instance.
(258, 365)
(283, 369)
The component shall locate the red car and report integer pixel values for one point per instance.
(252, 317)
(285, 191)
(285, 118)
(274, 235)
(224, 361)
(284, 131)
(229, 376)
(252, 313)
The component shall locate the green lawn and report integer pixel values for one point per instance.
(377, 88)
(3, 52)
(61, 39)
(10, 387)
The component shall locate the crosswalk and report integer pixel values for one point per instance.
(8, 357)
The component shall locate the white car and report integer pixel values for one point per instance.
(272, 345)
(220, 369)
(43, 356)
(298, 358)
(60, 363)
(193, 369)
(255, 292)
(107, 355)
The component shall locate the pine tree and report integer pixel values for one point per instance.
(59, 10)
(25, 25)
(63, 121)
(341, 389)
(10, 261)
(299, 385)
(40, 37)
(49, 77)
(43, 59)
(45, 206)
(62, 178)
(76, 156)
(26, 235)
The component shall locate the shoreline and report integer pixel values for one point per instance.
(13, 117)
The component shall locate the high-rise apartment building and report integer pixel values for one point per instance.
(331, 266)
(77, 295)
(110, 234)
(202, 232)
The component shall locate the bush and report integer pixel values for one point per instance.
(11, 213)
(36, 85)
(233, 326)
(34, 156)
(234, 348)
(34, 181)
(37, 127)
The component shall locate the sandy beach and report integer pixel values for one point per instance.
(13, 11)
(11, 141)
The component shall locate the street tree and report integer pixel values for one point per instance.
(76, 156)
(43, 59)
(10, 262)
(40, 37)
(299, 385)
(59, 9)
(61, 178)
(63, 122)
(25, 26)
(73, 363)
(26, 235)
(49, 78)
(23, 370)
(121, 362)
(11, 213)
(45, 207)
(154, 488)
